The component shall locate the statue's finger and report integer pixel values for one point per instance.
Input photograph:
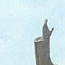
(52, 30)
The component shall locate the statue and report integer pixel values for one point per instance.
(42, 46)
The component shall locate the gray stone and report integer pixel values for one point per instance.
(42, 46)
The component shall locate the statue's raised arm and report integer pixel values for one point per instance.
(46, 32)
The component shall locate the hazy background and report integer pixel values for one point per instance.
(21, 21)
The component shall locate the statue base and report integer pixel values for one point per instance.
(42, 51)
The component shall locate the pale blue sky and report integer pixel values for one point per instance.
(21, 21)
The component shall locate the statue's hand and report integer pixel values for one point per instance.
(51, 31)
(46, 32)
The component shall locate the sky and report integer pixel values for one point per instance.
(21, 22)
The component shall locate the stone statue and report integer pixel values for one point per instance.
(42, 46)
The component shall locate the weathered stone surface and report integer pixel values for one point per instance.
(42, 47)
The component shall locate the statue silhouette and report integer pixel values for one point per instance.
(42, 46)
